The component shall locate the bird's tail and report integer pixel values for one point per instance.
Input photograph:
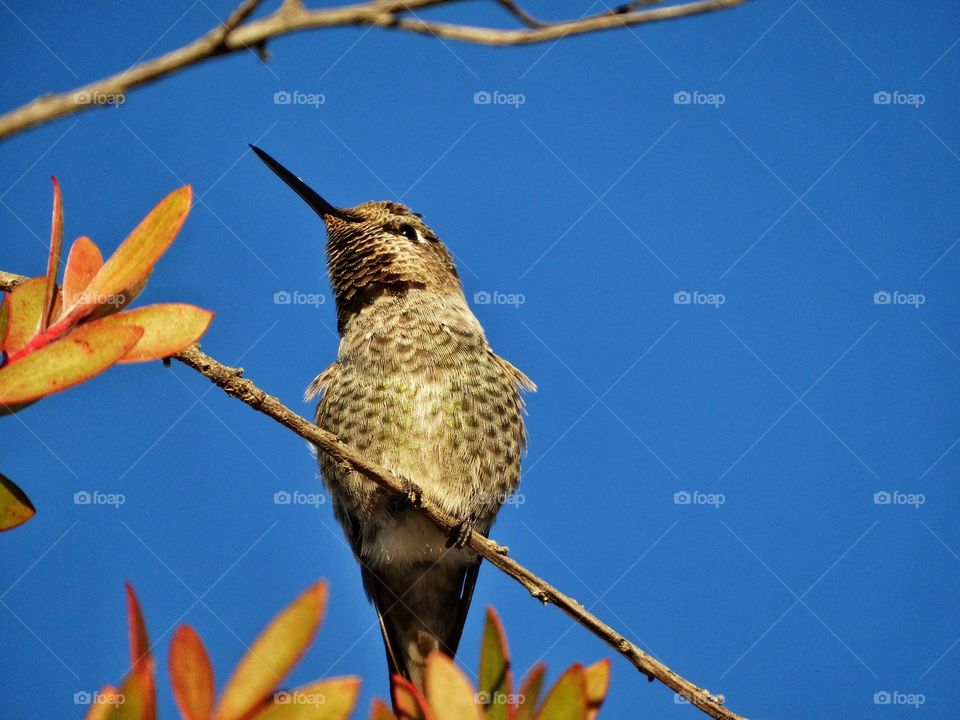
(421, 608)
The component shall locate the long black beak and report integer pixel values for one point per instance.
(312, 198)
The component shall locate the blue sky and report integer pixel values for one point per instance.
(811, 426)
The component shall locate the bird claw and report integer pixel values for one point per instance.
(460, 534)
(412, 496)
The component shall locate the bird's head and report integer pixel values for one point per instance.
(375, 248)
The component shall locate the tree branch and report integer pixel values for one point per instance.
(232, 382)
(235, 35)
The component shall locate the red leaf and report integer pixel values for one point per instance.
(140, 658)
(83, 262)
(408, 702)
(53, 261)
(191, 675)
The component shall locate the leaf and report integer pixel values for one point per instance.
(323, 700)
(450, 694)
(191, 675)
(380, 711)
(496, 680)
(83, 262)
(25, 305)
(15, 506)
(567, 700)
(4, 318)
(136, 256)
(273, 654)
(53, 260)
(83, 353)
(103, 709)
(167, 329)
(141, 661)
(408, 702)
(598, 683)
(529, 693)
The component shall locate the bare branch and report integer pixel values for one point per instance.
(234, 35)
(232, 382)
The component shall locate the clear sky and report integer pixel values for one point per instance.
(783, 400)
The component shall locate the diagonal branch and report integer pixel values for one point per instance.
(232, 382)
(236, 35)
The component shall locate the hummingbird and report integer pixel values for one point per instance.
(417, 389)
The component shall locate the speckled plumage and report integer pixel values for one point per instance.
(417, 389)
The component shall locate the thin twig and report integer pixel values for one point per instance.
(231, 381)
(234, 35)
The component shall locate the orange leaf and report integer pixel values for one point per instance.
(83, 353)
(191, 675)
(567, 700)
(408, 702)
(83, 262)
(25, 305)
(4, 318)
(136, 256)
(598, 683)
(167, 329)
(140, 658)
(450, 694)
(380, 711)
(15, 506)
(529, 693)
(103, 703)
(53, 260)
(495, 684)
(323, 700)
(273, 654)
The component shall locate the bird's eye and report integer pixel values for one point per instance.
(409, 232)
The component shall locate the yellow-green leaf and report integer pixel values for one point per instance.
(15, 506)
(102, 704)
(450, 694)
(191, 675)
(53, 260)
(86, 351)
(529, 693)
(25, 305)
(167, 329)
(136, 256)
(141, 661)
(4, 317)
(83, 262)
(273, 654)
(496, 680)
(597, 678)
(323, 700)
(567, 700)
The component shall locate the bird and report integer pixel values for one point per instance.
(417, 389)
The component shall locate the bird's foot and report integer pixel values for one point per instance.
(412, 496)
(460, 533)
